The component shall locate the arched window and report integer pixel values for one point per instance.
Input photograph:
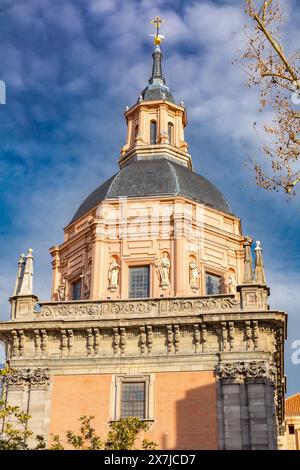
(171, 133)
(153, 130)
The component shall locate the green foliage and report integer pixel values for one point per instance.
(123, 433)
(148, 445)
(15, 434)
(87, 439)
(14, 424)
(56, 444)
(121, 436)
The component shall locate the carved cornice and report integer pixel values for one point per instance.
(151, 307)
(238, 372)
(35, 379)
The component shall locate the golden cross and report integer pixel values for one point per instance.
(157, 21)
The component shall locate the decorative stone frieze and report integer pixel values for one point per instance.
(35, 379)
(238, 372)
(163, 307)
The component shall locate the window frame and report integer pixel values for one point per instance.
(76, 281)
(118, 381)
(291, 427)
(132, 266)
(124, 402)
(171, 128)
(153, 121)
(135, 133)
(208, 272)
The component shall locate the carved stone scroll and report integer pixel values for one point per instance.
(122, 308)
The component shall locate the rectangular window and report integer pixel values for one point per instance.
(153, 131)
(291, 429)
(213, 284)
(139, 282)
(133, 400)
(171, 133)
(76, 290)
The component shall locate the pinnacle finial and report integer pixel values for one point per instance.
(157, 88)
(260, 276)
(248, 262)
(26, 287)
(20, 274)
(157, 22)
(157, 75)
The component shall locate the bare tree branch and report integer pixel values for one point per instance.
(279, 80)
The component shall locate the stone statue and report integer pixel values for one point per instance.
(113, 274)
(61, 291)
(232, 284)
(194, 273)
(164, 271)
(87, 280)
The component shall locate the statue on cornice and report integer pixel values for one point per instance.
(87, 282)
(61, 291)
(194, 273)
(164, 271)
(231, 284)
(113, 274)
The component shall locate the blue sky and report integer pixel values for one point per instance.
(70, 69)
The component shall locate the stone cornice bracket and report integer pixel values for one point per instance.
(35, 379)
(239, 372)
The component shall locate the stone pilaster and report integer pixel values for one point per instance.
(246, 405)
(30, 390)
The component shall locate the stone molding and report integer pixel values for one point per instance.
(239, 372)
(35, 379)
(151, 307)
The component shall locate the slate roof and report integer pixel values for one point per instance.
(159, 177)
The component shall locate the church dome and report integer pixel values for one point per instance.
(157, 177)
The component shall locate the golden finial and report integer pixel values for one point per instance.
(157, 22)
